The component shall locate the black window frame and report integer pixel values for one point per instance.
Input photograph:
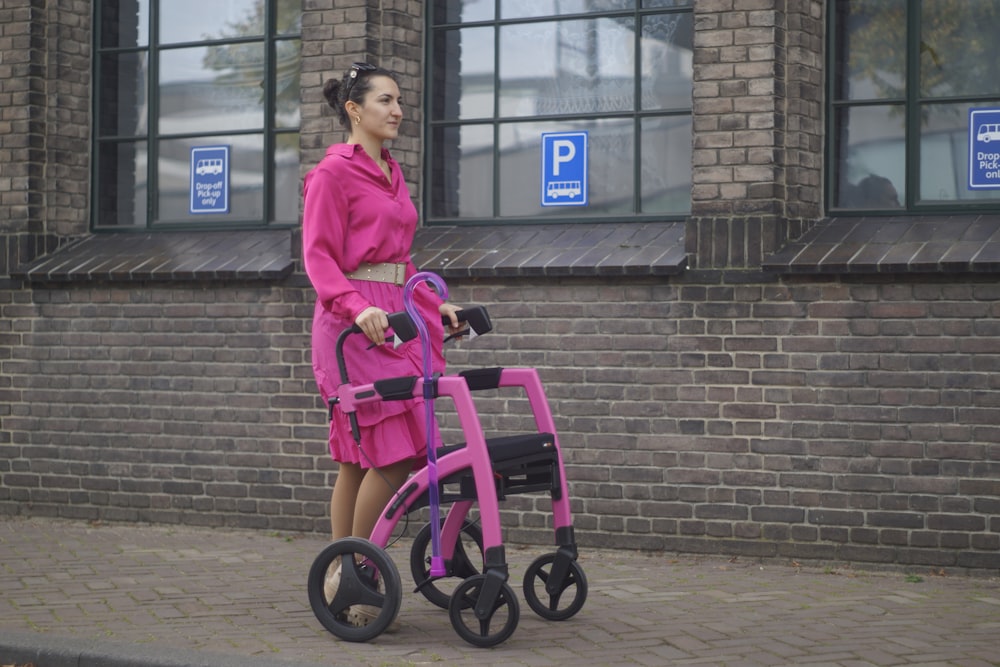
(269, 132)
(912, 101)
(636, 115)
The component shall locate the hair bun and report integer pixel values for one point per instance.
(331, 89)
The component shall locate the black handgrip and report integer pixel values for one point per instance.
(402, 325)
(399, 322)
(477, 318)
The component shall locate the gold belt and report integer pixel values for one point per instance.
(380, 273)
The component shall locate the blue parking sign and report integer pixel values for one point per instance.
(564, 168)
(984, 149)
(210, 179)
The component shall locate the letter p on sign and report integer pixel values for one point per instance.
(562, 151)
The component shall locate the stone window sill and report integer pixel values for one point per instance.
(167, 256)
(893, 245)
(552, 250)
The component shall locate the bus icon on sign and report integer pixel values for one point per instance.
(208, 166)
(988, 132)
(557, 189)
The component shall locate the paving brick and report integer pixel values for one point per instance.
(233, 594)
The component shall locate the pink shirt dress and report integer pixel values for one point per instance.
(353, 215)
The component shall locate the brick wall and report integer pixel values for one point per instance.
(180, 404)
(832, 420)
(838, 421)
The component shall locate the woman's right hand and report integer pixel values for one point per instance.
(373, 322)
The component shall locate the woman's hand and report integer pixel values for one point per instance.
(448, 310)
(373, 322)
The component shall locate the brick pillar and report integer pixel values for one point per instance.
(22, 116)
(757, 98)
(44, 126)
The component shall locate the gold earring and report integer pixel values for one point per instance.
(357, 120)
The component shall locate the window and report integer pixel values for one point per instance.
(905, 75)
(503, 73)
(197, 113)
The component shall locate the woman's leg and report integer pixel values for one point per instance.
(377, 488)
(344, 499)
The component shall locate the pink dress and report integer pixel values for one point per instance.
(353, 215)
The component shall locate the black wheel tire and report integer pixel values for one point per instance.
(464, 564)
(536, 578)
(497, 627)
(368, 576)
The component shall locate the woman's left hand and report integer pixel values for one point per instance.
(448, 310)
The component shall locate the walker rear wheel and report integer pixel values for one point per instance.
(466, 561)
(546, 587)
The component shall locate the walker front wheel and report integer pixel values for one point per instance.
(368, 581)
(480, 622)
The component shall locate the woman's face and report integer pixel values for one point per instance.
(381, 113)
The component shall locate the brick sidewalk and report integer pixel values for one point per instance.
(124, 594)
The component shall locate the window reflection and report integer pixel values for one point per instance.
(464, 89)
(665, 175)
(463, 11)
(515, 9)
(125, 24)
(871, 49)
(666, 3)
(567, 67)
(286, 177)
(287, 86)
(203, 89)
(870, 150)
(667, 61)
(463, 164)
(198, 20)
(959, 50)
(123, 98)
(121, 171)
(289, 18)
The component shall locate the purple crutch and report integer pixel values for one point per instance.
(437, 568)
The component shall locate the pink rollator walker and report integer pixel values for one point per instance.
(482, 607)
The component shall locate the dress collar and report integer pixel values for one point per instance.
(350, 150)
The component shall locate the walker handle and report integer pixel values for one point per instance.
(403, 326)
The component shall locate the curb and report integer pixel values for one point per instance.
(22, 649)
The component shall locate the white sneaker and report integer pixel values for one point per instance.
(361, 615)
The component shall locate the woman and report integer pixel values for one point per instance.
(357, 231)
